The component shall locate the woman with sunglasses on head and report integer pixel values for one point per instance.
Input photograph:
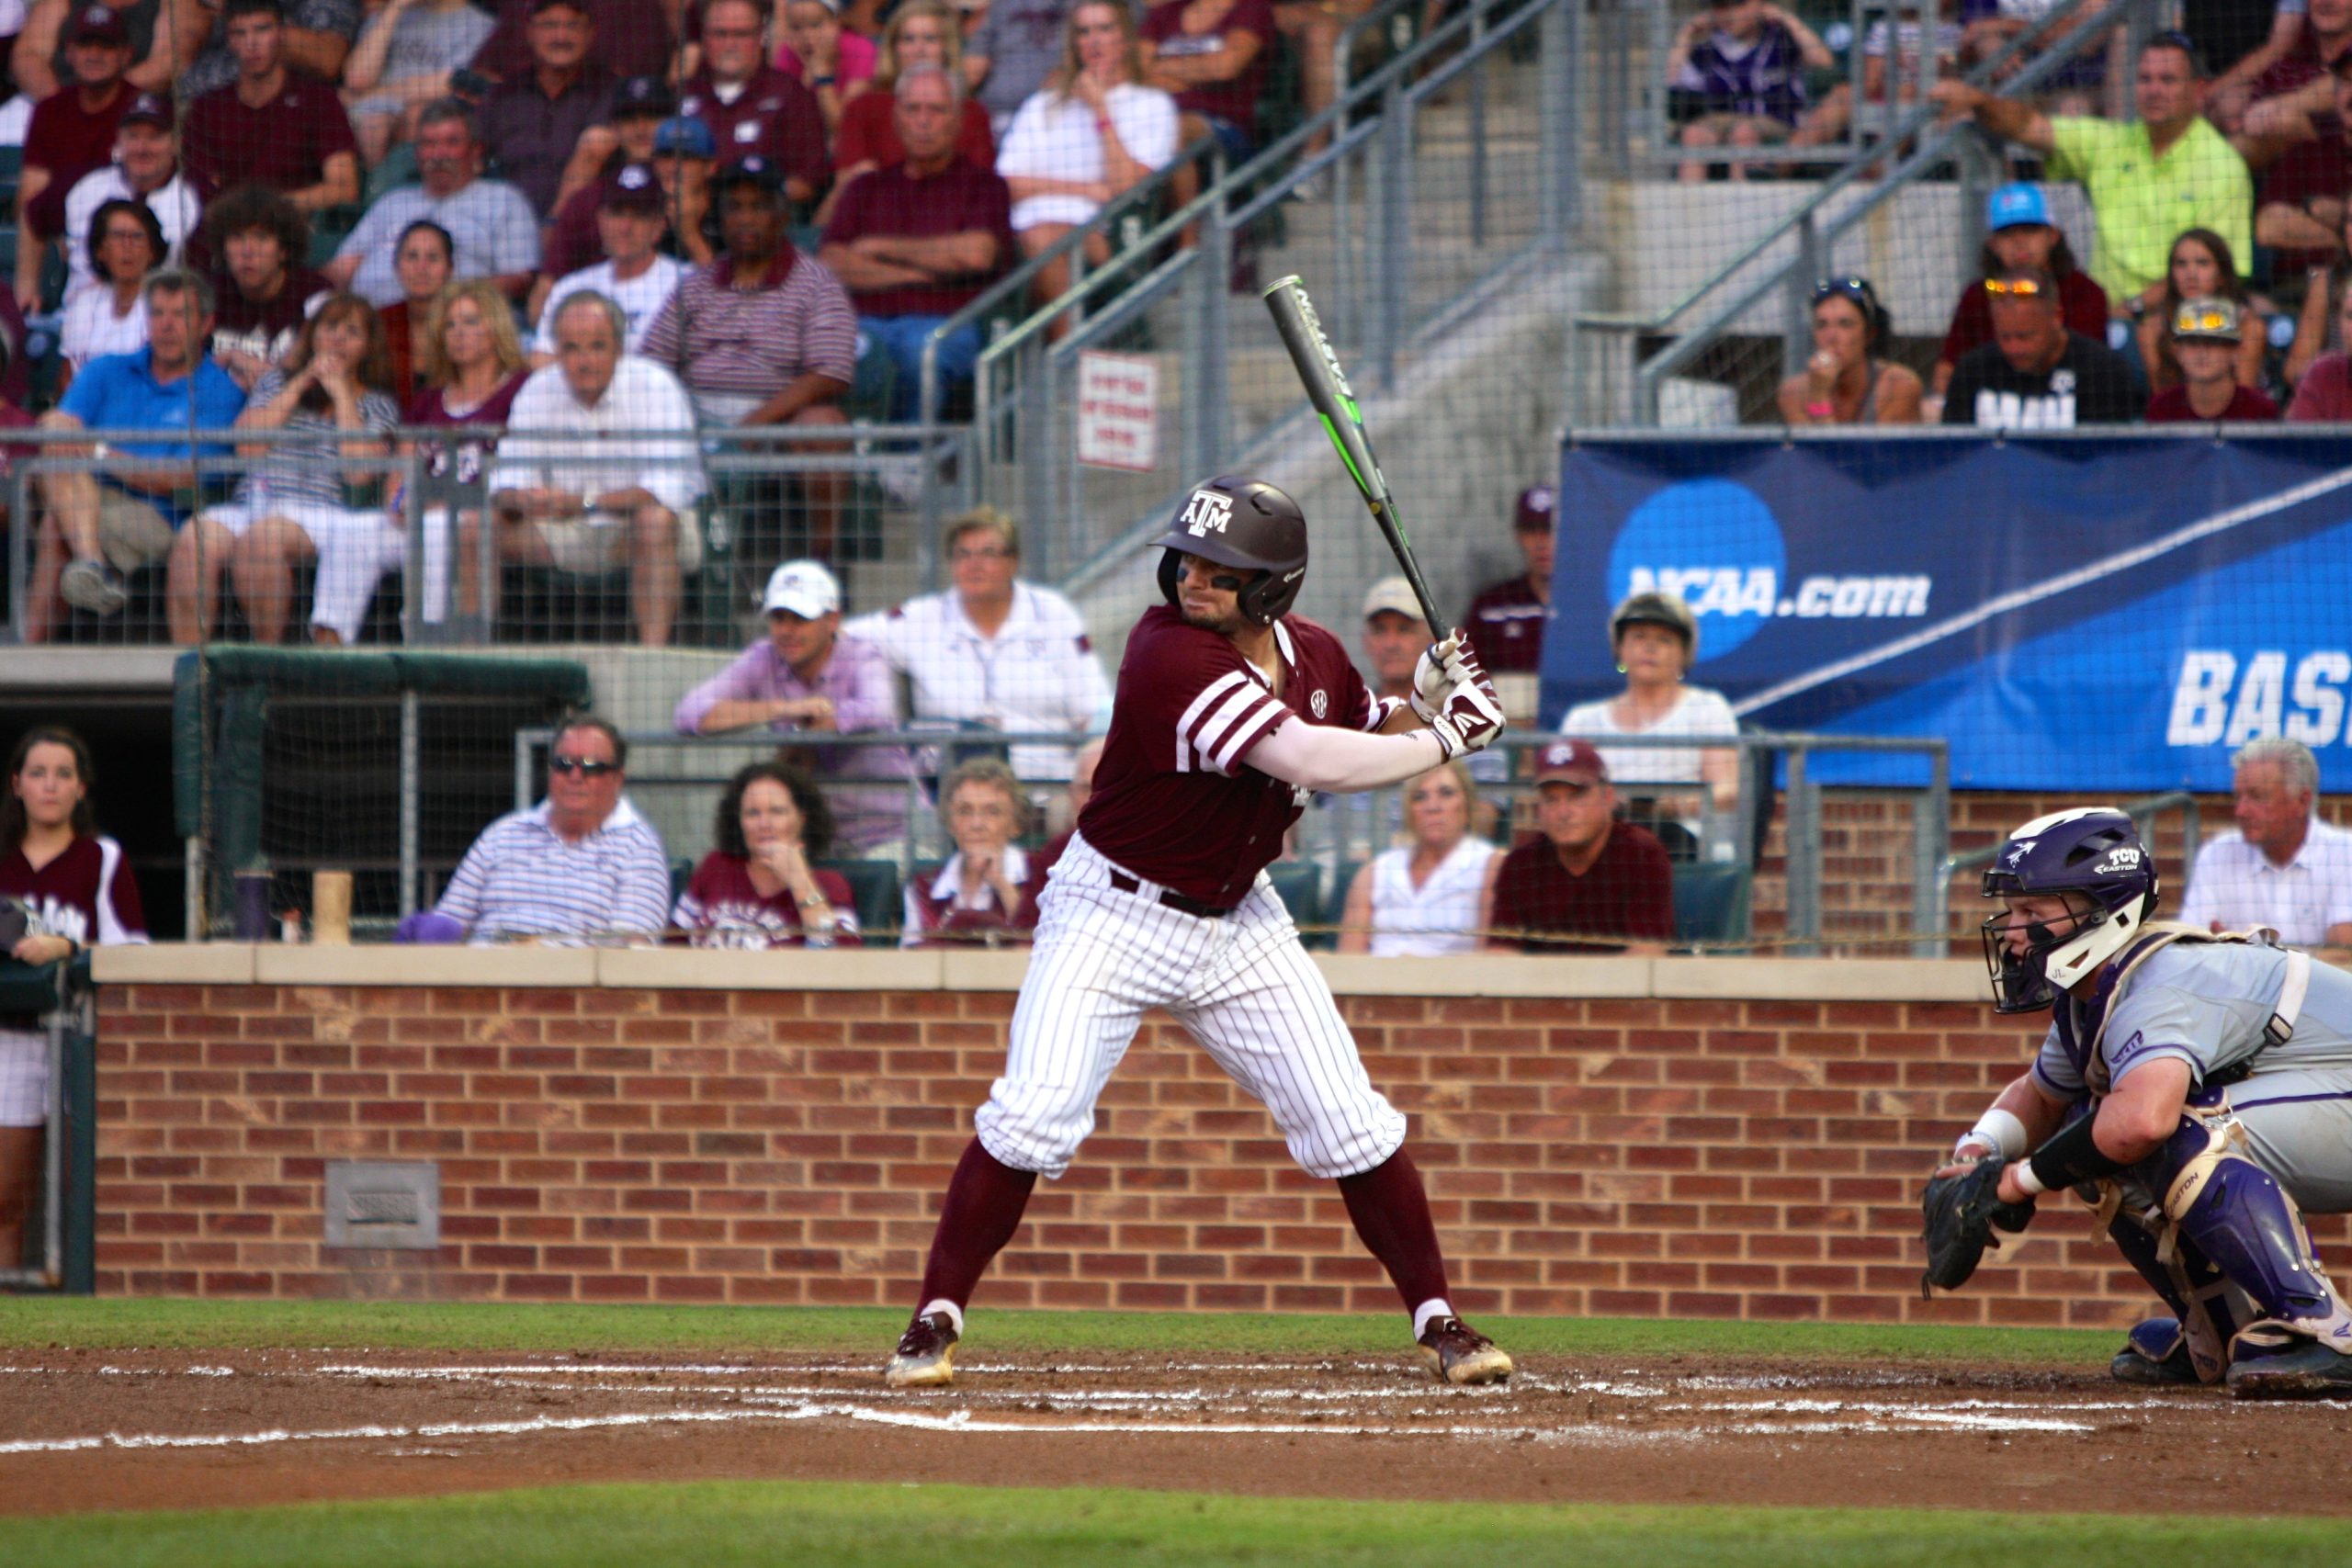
(1844, 382)
(2200, 267)
(2018, 232)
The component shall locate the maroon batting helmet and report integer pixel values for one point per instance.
(1241, 523)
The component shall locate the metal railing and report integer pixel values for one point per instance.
(1791, 256)
(2144, 813)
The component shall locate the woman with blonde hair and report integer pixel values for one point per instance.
(1431, 895)
(921, 32)
(470, 366)
(1091, 134)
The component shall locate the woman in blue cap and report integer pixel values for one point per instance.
(2019, 233)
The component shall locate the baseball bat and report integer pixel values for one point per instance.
(1335, 403)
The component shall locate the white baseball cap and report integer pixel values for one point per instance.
(1394, 595)
(803, 588)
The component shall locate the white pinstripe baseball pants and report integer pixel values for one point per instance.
(1241, 986)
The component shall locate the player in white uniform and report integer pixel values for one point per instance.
(1229, 717)
(2204, 1082)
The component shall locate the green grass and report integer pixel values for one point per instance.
(35, 1321)
(717, 1525)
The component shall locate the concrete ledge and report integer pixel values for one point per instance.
(977, 969)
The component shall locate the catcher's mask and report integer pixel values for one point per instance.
(2092, 859)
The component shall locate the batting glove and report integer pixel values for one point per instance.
(1431, 684)
(1472, 717)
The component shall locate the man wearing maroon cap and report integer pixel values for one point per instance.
(1601, 884)
(751, 107)
(634, 274)
(917, 241)
(146, 169)
(72, 132)
(273, 124)
(1506, 620)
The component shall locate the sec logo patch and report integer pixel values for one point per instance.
(1318, 705)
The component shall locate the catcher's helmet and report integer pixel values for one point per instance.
(2093, 858)
(1241, 523)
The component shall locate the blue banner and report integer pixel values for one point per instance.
(2114, 614)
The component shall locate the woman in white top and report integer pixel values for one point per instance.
(1090, 135)
(1657, 641)
(109, 314)
(1434, 896)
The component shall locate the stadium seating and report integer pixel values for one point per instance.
(1710, 903)
(873, 889)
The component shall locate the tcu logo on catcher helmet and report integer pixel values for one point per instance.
(1208, 509)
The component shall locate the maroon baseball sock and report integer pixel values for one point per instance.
(985, 1197)
(1391, 1211)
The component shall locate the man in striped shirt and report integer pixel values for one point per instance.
(580, 867)
(764, 335)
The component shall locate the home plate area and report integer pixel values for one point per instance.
(83, 1429)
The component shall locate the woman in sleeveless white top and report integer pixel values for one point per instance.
(1431, 897)
(1655, 639)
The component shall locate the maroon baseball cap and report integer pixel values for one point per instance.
(1570, 762)
(96, 24)
(1536, 505)
(149, 109)
(632, 187)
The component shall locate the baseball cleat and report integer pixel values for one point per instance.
(2155, 1355)
(2310, 1371)
(1458, 1353)
(924, 1354)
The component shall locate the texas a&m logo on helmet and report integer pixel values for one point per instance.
(1208, 509)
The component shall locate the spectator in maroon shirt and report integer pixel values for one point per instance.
(1506, 620)
(921, 32)
(424, 258)
(1601, 884)
(70, 134)
(632, 38)
(533, 124)
(2301, 216)
(273, 126)
(166, 36)
(468, 367)
(2318, 366)
(1211, 56)
(2286, 104)
(751, 106)
(2019, 233)
(917, 241)
(260, 244)
(2205, 338)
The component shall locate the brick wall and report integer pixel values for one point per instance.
(697, 1128)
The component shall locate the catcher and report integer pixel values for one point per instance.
(2199, 1086)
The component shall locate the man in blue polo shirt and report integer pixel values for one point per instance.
(99, 526)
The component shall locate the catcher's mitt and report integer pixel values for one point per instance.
(1960, 1211)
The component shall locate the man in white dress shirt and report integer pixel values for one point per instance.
(592, 507)
(2283, 868)
(995, 652)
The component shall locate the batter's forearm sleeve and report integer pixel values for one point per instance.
(1324, 757)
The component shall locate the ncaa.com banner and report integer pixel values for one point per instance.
(2107, 612)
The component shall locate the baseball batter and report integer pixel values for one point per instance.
(1228, 714)
(2202, 1082)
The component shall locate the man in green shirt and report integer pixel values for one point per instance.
(2148, 179)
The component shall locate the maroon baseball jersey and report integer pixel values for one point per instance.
(86, 894)
(284, 144)
(1506, 626)
(773, 116)
(1626, 895)
(958, 199)
(722, 907)
(1175, 801)
(69, 140)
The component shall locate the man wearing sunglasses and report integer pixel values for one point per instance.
(580, 867)
(1587, 883)
(2036, 374)
(2148, 180)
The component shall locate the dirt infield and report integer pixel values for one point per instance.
(113, 1429)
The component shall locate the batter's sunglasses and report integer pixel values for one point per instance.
(582, 767)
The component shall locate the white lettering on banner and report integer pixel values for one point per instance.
(1755, 591)
(1118, 411)
(2216, 700)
